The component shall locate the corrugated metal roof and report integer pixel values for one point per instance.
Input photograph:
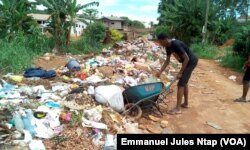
(43, 17)
(113, 18)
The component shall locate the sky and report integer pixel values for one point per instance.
(142, 10)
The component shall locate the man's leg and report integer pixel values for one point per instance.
(185, 104)
(180, 94)
(245, 90)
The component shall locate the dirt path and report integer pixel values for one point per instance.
(211, 100)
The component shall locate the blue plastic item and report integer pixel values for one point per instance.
(27, 122)
(38, 72)
(73, 65)
(18, 122)
(52, 104)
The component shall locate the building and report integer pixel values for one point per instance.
(115, 23)
(44, 19)
(78, 28)
(242, 18)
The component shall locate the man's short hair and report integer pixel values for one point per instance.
(162, 36)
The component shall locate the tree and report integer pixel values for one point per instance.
(137, 24)
(63, 13)
(88, 16)
(14, 17)
(133, 23)
(185, 19)
(204, 31)
(151, 24)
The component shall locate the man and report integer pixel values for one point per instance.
(246, 78)
(189, 61)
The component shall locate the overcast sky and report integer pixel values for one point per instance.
(142, 10)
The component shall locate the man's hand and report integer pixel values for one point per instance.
(158, 74)
(179, 75)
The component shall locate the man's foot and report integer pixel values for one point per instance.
(241, 99)
(174, 111)
(184, 105)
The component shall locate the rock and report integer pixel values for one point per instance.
(164, 124)
(155, 119)
(146, 131)
(165, 131)
(142, 66)
(154, 129)
(46, 58)
(106, 71)
(141, 127)
(232, 78)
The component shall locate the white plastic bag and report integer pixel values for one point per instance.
(112, 95)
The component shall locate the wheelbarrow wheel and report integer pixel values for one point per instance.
(133, 111)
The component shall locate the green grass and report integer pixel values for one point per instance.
(206, 51)
(14, 57)
(18, 53)
(233, 61)
(81, 46)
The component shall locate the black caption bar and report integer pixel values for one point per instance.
(186, 141)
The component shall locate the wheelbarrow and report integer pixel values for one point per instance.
(144, 96)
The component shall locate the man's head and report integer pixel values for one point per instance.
(163, 39)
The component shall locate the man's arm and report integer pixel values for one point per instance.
(184, 64)
(247, 62)
(164, 65)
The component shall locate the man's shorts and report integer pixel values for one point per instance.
(246, 78)
(187, 73)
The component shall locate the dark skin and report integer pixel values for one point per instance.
(245, 86)
(182, 91)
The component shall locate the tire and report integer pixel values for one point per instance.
(135, 112)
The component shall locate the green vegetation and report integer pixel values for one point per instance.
(63, 13)
(186, 20)
(206, 51)
(160, 29)
(134, 23)
(232, 61)
(116, 35)
(18, 54)
(90, 42)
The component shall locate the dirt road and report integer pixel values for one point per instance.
(212, 97)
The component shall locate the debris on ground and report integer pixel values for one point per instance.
(80, 104)
(214, 125)
(232, 78)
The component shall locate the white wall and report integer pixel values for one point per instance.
(77, 30)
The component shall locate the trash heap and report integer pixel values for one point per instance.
(80, 102)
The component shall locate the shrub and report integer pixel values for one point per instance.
(160, 29)
(205, 50)
(95, 33)
(17, 54)
(233, 61)
(116, 35)
(242, 44)
(82, 46)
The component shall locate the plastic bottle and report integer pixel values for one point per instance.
(18, 122)
(27, 122)
(109, 142)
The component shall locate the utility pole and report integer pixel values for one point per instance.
(204, 29)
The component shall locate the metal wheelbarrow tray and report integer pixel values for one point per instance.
(143, 96)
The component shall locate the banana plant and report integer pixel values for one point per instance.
(63, 13)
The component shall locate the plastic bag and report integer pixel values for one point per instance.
(111, 95)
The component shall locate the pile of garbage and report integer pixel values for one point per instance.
(81, 100)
